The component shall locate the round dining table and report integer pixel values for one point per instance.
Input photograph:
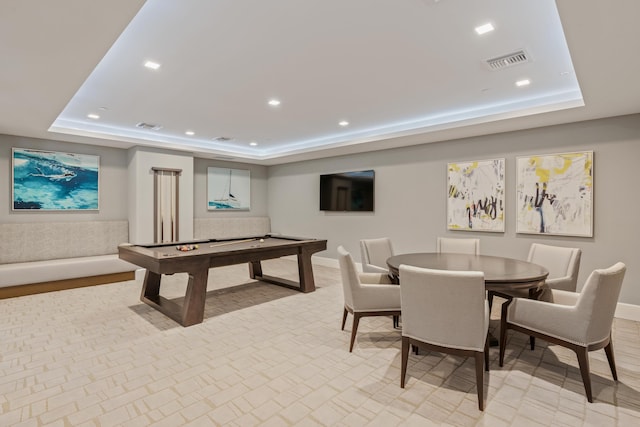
(500, 273)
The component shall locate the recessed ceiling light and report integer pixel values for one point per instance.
(524, 82)
(190, 133)
(93, 116)
(482, 29)
(344, 123)
(152, 65)
(253, 143)
(274, 102)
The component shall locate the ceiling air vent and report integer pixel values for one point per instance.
(222, 139)
(148, 126)
(509, 60)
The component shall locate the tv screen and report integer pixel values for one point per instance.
(347, 191)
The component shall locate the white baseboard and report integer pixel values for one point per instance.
(628, 311)
(325, 262)
(623, 310)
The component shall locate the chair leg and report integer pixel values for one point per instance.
(533, 294)
(503, 332)
(344, 317)
(503, 345)
(396, 322)
(480, 379)
(405, 358)
(490, 296)
(354, 329)
(612, 361)
(486, 354)
(583, 361)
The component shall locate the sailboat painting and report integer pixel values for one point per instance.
(228, 189)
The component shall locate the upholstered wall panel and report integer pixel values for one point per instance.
(24, 242)
(229, 227)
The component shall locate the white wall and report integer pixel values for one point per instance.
(411, 191)
(113, 180)
(258, 189)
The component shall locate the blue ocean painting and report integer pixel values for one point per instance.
(49, 180)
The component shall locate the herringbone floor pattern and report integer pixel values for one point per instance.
(268, 356)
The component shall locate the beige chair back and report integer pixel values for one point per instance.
(444, 308)
(375, 253)
(597, 303)
(458, 246)
(349, 273)
(562, 263)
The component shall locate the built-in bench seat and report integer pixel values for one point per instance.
(48, 256)
(40, 257)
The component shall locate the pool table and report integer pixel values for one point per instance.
(198, 256)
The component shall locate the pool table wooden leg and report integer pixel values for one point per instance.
(306, 282)
(150, 286)
(195, 297)
(255, 269)
(305, 271)
(191, 311)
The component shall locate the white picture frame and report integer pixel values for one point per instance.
(228, 189)
(475, 195)
(555, 194)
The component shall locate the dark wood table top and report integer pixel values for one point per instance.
(500, 273)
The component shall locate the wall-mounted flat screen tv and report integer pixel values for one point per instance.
(347, 191)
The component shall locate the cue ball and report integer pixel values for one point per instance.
(261, 240)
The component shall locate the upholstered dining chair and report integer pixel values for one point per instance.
(578, 321)
(563, 265)
(459, 246)
(375, 253)
(365, 294)
(445, 311)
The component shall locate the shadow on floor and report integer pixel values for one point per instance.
(220, 301)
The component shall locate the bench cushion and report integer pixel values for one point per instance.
(59, 269)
